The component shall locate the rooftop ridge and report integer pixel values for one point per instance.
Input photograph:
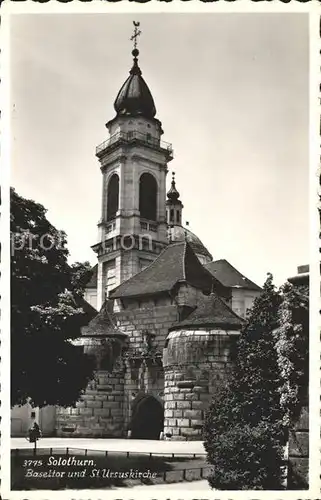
(145, 268)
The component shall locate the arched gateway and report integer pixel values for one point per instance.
(147, 419)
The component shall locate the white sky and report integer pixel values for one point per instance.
(232, 93)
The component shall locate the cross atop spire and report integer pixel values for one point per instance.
(134, 97)
(136, 34)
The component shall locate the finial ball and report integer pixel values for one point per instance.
(135, 52)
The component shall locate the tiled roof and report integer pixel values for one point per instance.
(176, 263)
(103, 323)
(92, 283)
(229, 276)
(211, 311)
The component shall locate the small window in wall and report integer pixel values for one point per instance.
(112, 197)
(178, 217)
(130, 134)
(171, 217)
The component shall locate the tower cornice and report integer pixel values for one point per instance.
(160, 164)
(122, 119)
(115, 160)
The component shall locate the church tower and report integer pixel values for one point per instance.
(174, 206)
(133, 227)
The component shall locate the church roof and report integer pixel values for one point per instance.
(103, 324)
(229, 276)
(176, 263)
(134, 97)
(180, 233)
(211, 311)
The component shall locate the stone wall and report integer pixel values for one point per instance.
(154, 316)
(105, 410)
(144, 370)
(196, 364)
(298, 470)
(99, 412)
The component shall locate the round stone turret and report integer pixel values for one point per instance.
(197, 360)
(99, 412)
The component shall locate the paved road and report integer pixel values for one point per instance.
(142, 445)
(183, 488)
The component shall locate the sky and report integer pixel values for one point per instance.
(231, 91)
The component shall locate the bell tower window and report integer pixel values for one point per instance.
(112, 197)
(148, 197)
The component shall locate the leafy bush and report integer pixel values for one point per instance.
(243, 431)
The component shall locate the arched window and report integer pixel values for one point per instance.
(112, 196)
(148, 197)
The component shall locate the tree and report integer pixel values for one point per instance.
(46, 368)
(81, 272)
(243, 431)
(292, 346)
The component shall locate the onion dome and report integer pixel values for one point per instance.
(134, 97)
(173, 194)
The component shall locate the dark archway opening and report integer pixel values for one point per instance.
(148, 419)
(148, 197)
(112, 196)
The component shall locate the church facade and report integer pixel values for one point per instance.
(167, 314)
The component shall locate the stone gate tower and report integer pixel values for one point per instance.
(132, 228)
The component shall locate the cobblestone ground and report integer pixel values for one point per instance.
(140, 445)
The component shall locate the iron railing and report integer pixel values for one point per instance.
(96, 452)
(132, 137)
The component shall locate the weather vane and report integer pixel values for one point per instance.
(136, 34)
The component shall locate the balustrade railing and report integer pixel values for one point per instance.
(135, 136)
(148, 226)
